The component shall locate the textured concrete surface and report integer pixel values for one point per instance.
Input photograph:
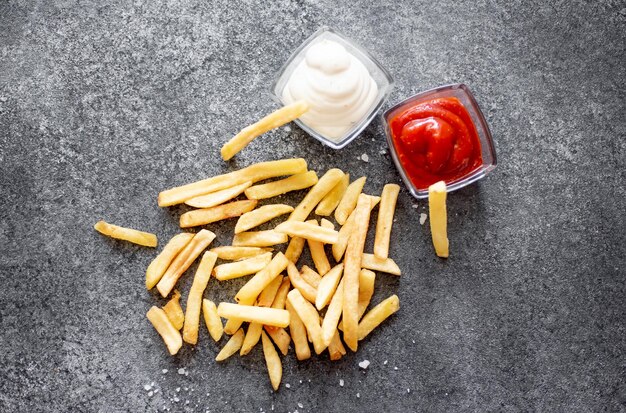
(105, 103)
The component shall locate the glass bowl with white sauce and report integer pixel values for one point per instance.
(344, 85)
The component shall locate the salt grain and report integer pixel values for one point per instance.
(423, 217)
(150, 394)
(177, 389)
(176, 399)
(358, 395)
(395, 368)
(181, 371)
(147, 387)
(300, 405)
(365, 157)
(364, 364)
(287, 385)
(164, 371)
(385, 362)
(414, 206)
(383, 152)
(408, 390)
(341, 382)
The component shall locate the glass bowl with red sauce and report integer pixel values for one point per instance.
(440, 134)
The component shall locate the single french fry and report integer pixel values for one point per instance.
(275, 119)
(194, 299)
(272, 360)
(253, 335)
(266, 298)
(307, 290)
(346, 230)
(275, 188)
(166, 330)
(127, 234)
(174, 311)
(242, 268)
(264, 315)
(159, 265)
(251, 290)
(253, 173)
(281, 338)
(352, 267)
(377, 315)
(332, 199)
(349, 200)
(318, 254)
(260, 215)
(212, 320)
(298, 334)
(384, 265)
(327, 286)
(217, 198)
(385, 220)
(294, 249)
(336, 350)
(310, 276)
(217, 213)
(438, 218)
(183, 260)
(281, 295)
(327, 224)
(232, 346)
(325, 184)
(259, 239)
(309, 317)
(309, 231)
(367, 279)
(333, 314)
(231, 253)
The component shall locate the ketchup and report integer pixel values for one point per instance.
(435, 140)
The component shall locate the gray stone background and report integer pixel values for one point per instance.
(105, 103)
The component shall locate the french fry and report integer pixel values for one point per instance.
(349, 200)
(344, 233)
(242, 268)
(166, 330)
(310, 276)
(308, 231)
(194, 299)
(377, 315)
(217, 198)
(253, 173)
(266, 298)
(327, 224)
(217, 213)
(231, 253)
(298, 334)
(281, 294)
(336, 350)
(251, 290)
(174, 311)
(307, 290)
(438, 218)
(127, 234)
(259, 239)
(309, 317)
(328, 204)
(384, 265)
(232, 346)
(294, 249)
(159, 265)
(183, 260)
(352, 267)
(327, 286)
(263, 315)
(385, 220)
(320, 260)
(325, 184)
(275, 119)
(281, 338)
(275, 188)
(253, 335)
(260, 215)
(333, 314)
(212, 320)
(272, 360)
(367, 279)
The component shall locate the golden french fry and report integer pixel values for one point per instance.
(336, 350)
(327, 224)
(367, 279)
(253, 335)
(385, 220)
(127, 234)
(231, 253)
(263, 315)
(294, 249)
(260, 215)
(174, 311)
(307, 290)
(309, 231)
(183, 260)
(217, 213)
(281, 338)
(298, 334)
(384, 265)
(328, 204)
(377, 315)
(281, 295)
(349, 200)
(166, 330)
(242, 268)
(259, 239)
(159, 265)
(253, 173)
(327, 286)
(333, 314)
(309, 317)
(325, 184)
(251, 290)
(217, 198)
(232, 346)
(275, 119)
(266, 298)
(352, 267)
(319, 256)
(310, 276)
(212, 320)
(438, 218)
(272, 359)
(194, 299)
(346, 230)
(275, 188)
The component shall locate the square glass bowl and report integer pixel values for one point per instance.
(488, 151)
(379, 74)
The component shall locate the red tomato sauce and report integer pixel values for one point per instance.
(436, 140)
